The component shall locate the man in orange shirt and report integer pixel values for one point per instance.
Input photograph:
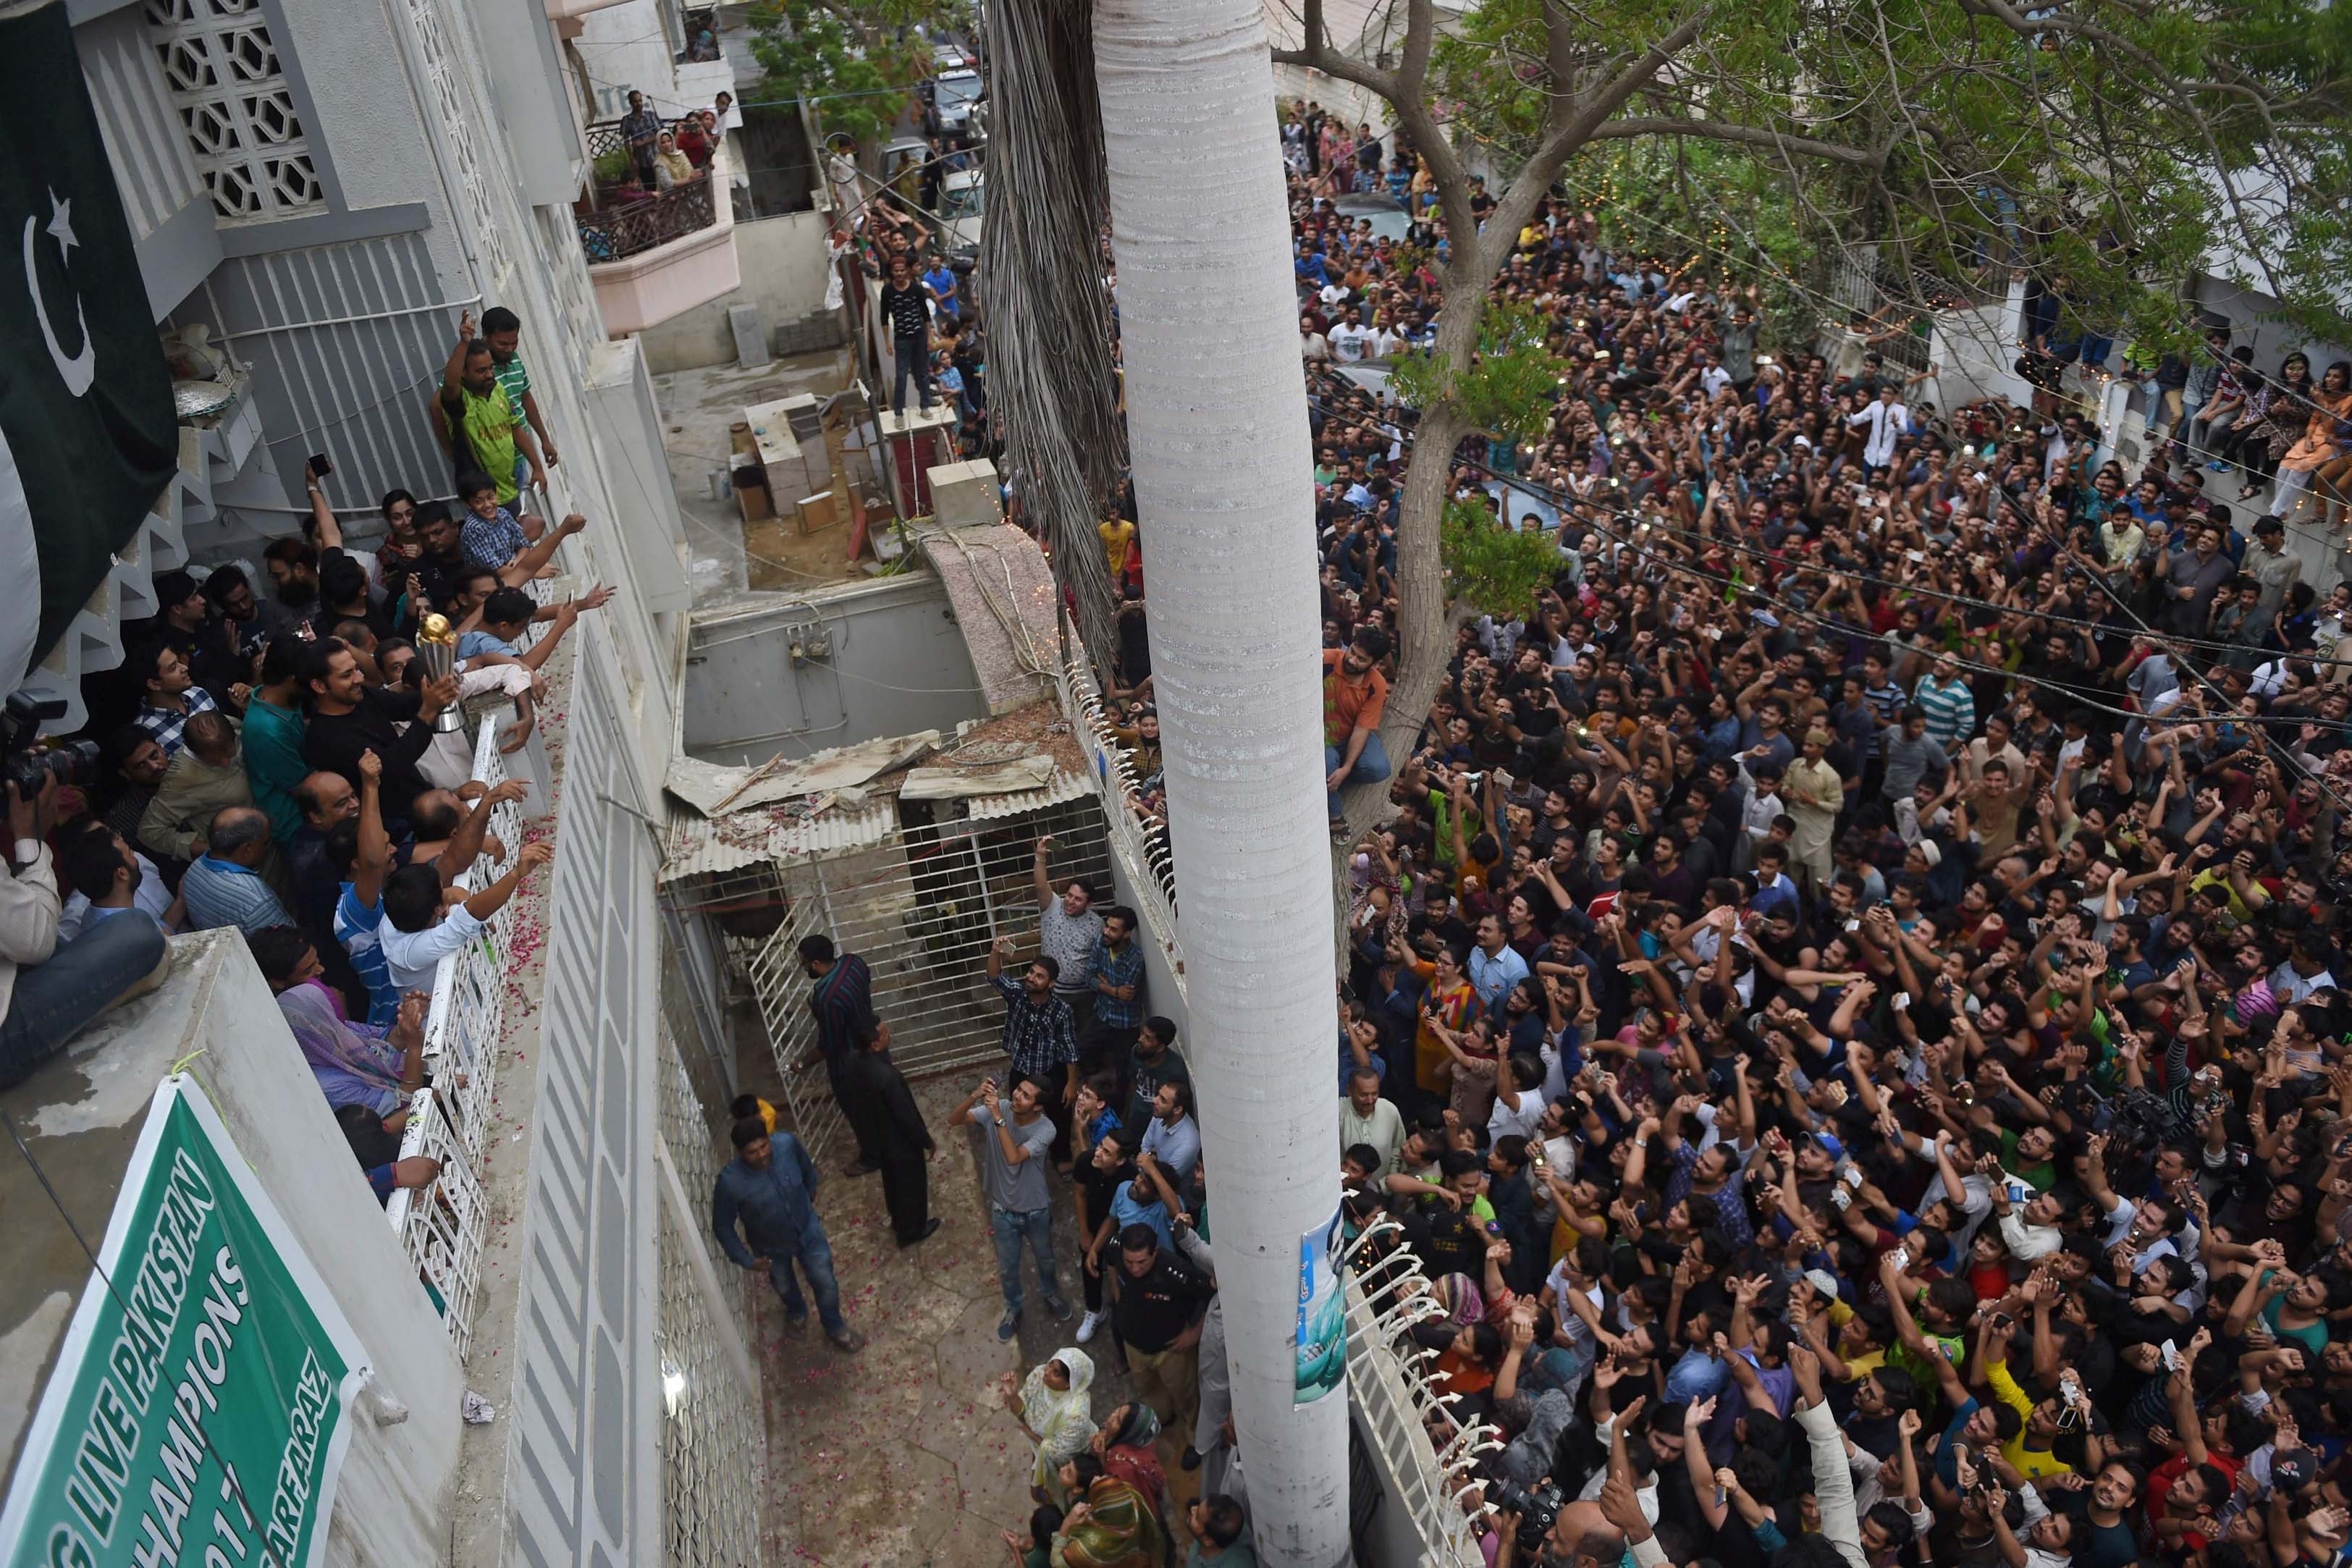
(1354, 693)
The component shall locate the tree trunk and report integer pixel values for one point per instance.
(1223, 463)
(1425, 626)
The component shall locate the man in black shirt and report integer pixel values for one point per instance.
(441, 571)
(907, 302)
(348, 718)
(1157, 1315)
(1100, 1174)
(883, 1111)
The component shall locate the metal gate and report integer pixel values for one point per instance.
(782, 984)
(922, 905)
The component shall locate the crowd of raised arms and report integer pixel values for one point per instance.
(1840, 1000)
(272, 763)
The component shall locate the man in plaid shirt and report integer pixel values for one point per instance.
(168, 696)
(1118, 990)
(1040, 1034)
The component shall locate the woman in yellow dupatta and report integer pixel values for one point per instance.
(1111, 1525)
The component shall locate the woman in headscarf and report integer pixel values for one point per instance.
(1458, 1294)
(354, 1064)
(1124, 1446)
(672, 168)
(1111, 1524)
(1054, 1412)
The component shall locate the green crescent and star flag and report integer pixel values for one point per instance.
(88, 435)
(200, 1404)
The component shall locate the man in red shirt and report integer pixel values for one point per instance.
(2186, 1493)
(1354, 693)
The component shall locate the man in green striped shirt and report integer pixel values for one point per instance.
(502, 330)
(1945, 698)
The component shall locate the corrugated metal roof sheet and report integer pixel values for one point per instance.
(762, 836)
(1062, 788)
(695, 845)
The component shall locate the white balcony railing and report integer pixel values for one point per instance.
(1139, 837)
(1386, 1297)
(443, 1226)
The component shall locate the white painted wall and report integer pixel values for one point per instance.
(649, 529)
(1975, 350)
(2249, 314)
(785, 271)
(898, 664)
(629, 45)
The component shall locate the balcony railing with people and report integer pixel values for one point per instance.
(444, 1228)
(629, 227)
(1426, 1451)
(701, 28)
(1139, 826)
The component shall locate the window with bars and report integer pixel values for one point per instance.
(228, 87)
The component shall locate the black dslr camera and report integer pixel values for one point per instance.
(27, 763)
(1537, 1511)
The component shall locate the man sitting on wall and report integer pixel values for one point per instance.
(51, 989)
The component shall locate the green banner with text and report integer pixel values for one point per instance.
(199, 1407)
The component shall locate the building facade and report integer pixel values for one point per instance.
(318, 194)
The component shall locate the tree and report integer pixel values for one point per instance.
(1217, 409)
(1494, 567)
(856, 62)
(2112, 143)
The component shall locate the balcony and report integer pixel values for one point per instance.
(571, 10)
(654, 256)
(702, 69)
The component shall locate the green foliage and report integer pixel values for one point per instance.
(2098, 142)
(1490, 567)
(1722, 213)
(856, 61)
(1509, 388)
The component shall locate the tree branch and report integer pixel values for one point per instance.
(1752, 135)
(1518, 202)
(1559, 62)
(1420, 35)
(1315, 53)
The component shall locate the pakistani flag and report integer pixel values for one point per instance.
(88, 439)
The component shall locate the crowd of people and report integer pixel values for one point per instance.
(270, 761)
(1878, 910)
(938, 344)
(664, 157)
(1840, 1013)
(1096, 1092)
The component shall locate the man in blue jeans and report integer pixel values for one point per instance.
(1017, 1141)
(768, 1189)
(49, 989)
(1355, 694)
(907, 305)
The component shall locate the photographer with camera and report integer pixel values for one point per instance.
(49, 991)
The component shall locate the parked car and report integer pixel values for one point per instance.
(963, 199)
(949, 98)
(1389, 220)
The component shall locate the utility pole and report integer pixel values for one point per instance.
(1223, 463)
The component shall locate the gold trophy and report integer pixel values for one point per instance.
(437, 658)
